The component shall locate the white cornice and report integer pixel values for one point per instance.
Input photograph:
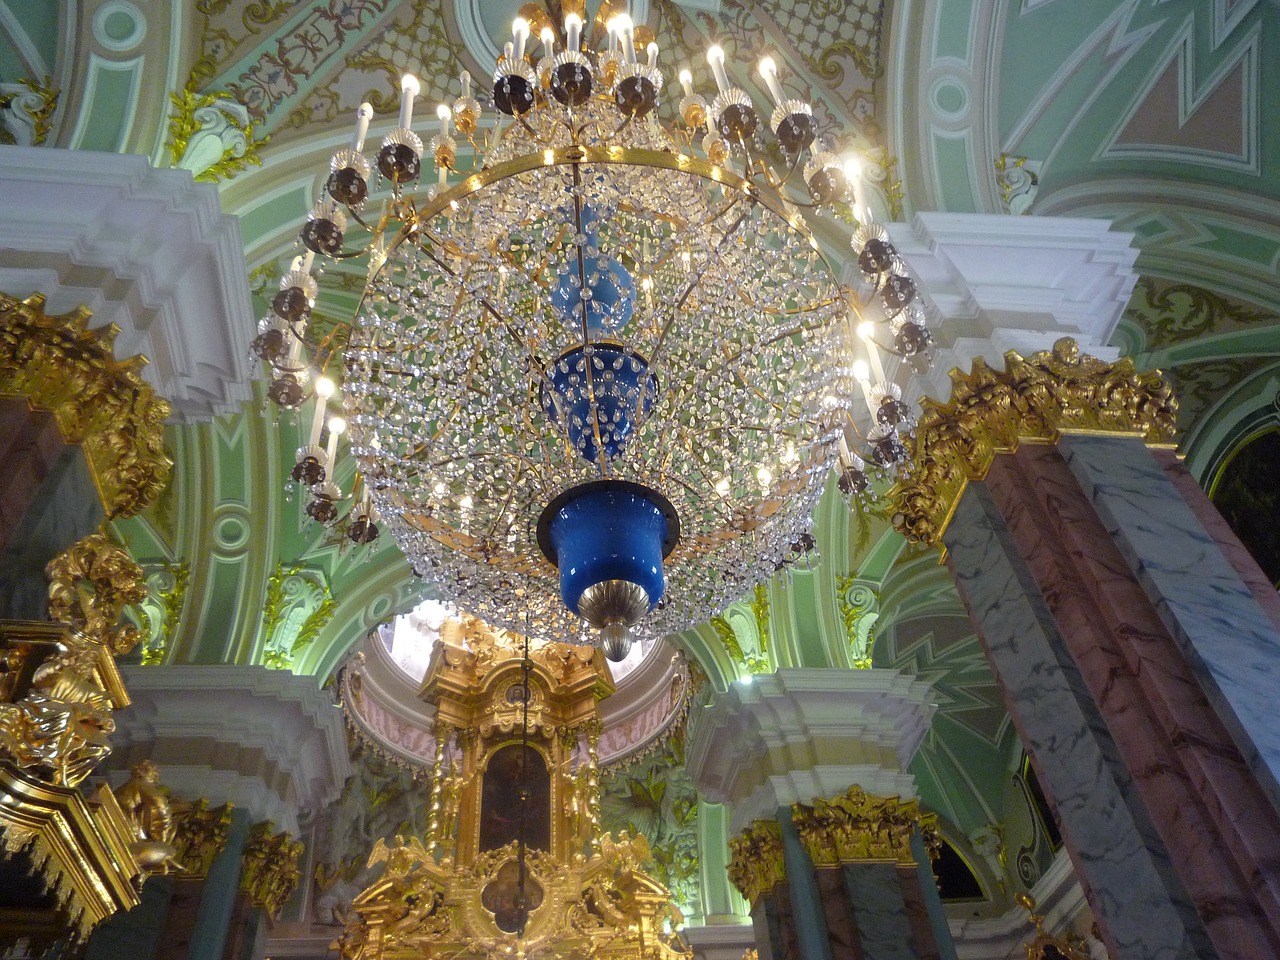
(256, 726)
(148, 250)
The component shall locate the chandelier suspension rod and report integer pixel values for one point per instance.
(522, 902)
(586, 330)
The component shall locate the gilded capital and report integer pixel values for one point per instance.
(270, 871)
(1035, 399)
(57, 364)
(861, 828)
(755, 860)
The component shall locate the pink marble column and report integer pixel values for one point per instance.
(1200, 813)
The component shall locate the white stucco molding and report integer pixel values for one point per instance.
(797, 734)
(146, 249)
(270, 742)
(993, 283)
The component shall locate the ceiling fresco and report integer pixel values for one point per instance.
(1161, 114)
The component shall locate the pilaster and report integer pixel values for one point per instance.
(1133, 654)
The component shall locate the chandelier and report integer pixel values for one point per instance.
(601, 370)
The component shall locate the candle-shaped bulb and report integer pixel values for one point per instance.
(769, 73)
(686, 82)
(336, 426)
(853, 177)
(626, 36)
(296, 265)
(573, 31)
(363, 116)
(548, 41)
(466, 84)
(861, 371)
(866, 329)
(715, 57)
(445, 115)
(652, 50)
(509, 52)
(520, 33)
(324, 390)
(409, 88)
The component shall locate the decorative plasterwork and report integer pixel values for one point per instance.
(269, 742)
(797, 734)
(144, 249)
(1037, 399)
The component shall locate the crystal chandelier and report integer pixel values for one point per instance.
(601, 370)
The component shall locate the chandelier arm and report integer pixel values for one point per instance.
(586, 331)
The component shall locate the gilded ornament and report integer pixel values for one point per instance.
(270, 870)
(755, 860)
(90, 584)
(103, 405)
(1046, 947)
(456, 893)
(200, 834)
(1037, 399)
(78, 849)
(860, 827)
(146, 806)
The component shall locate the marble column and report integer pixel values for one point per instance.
(1130, 639)
(822, 883)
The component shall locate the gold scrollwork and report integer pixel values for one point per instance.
(860, 827)
(755, 860)
(270, 870)
(1039, 399)
(56, 363)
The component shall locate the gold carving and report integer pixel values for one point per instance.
(90, 584)
(1039, 399)
(270, 872)
(441, 897)
(78, 847)
(200, 834)
(755, 860)
(1046, 947)
(62, 722)
(144, 803)
(58, 364)
(860, 827)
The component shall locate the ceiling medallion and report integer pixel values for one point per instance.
(601, 372)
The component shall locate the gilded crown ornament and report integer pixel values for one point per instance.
(602, 368)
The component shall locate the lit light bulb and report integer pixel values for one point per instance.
(722, 486)
(765, 476)
(866, 329)
(337, 425)
(324, 387)
(861, 371)
(445, 115)
(520, 34)
(409, 88)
